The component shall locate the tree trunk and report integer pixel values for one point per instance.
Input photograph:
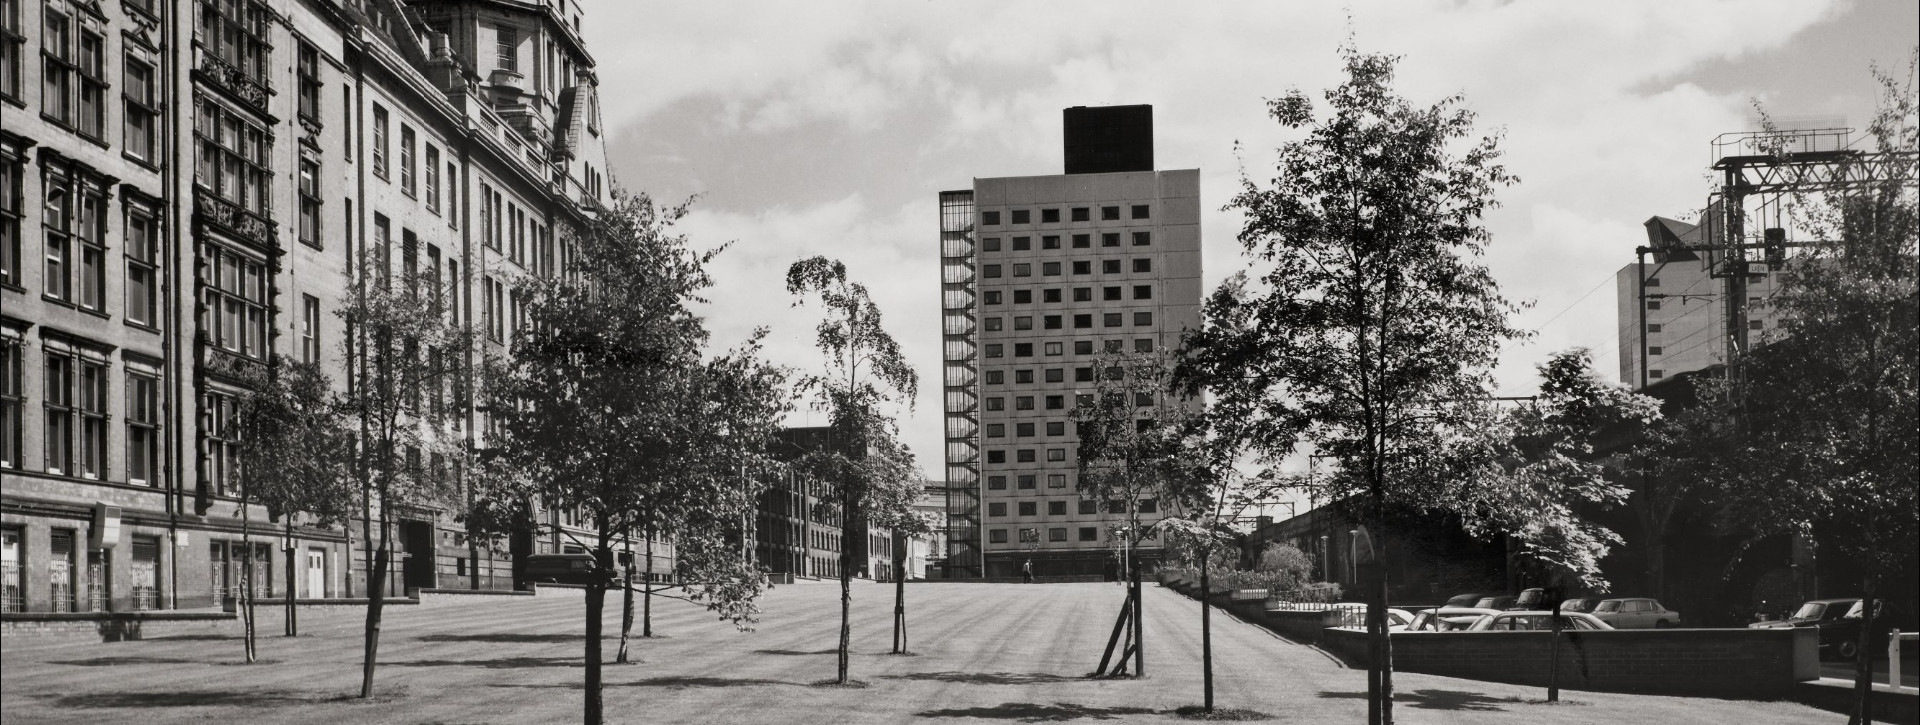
(1139, 627)
(899, 595)
(646, 606)
(626, 606)
(1206, 632)
(376, 600)
(293, 627)
(246, 574)
(846, 611)
(1657, 565)
(1863, 659)
(1553, 658)
(596, 598)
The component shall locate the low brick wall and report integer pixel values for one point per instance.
(1305, 627)
(115, 626)
(1761, 664)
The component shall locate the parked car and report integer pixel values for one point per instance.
(1465, 600)
(1531, 598)
(1635, 613)
(1838, 621)
(1525, 620)
(576, 568)
(1354, 614)
(1498, 601)
(1397, 619)
(1448, 619)
(1579, 604)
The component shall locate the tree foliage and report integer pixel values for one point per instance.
(1535, 468)
(1827, 407)
(863, 374)
(408, 358)
(609, 405)
(1366, 317)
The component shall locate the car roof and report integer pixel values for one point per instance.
(1628, 599)
(1464, 611)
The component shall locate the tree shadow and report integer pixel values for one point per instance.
(1036, 712)
(111, 700)
(128, 660)
(505, 663)
(793, 652)
(194, 638)
(504, 638)
(985, 678)
(682, 683)
(1438, 699)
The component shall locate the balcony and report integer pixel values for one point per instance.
(508, 81)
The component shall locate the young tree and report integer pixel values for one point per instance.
(296, 457)
(1826, 406)
(406, 355)
(1135, 447)
(609, 406)
(863, 373)
(908, 524)
(1372, 313)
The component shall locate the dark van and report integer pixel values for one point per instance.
(576, 568)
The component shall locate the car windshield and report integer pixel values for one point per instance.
(1810, 610)
(1858, 611)
(1607, 606)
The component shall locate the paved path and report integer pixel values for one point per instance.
(989, 652)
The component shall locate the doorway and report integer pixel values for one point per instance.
(417, 539)
(317, 573)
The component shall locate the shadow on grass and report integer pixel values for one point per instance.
(111, 700)
(675, 683)
(194, 638)
(502, 638)
(1439, 699)
(794, 652)
(1036, 712)
(985, 678)
(129, 660)
(682, 683)
(505, 663)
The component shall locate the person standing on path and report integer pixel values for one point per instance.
(1026, 571)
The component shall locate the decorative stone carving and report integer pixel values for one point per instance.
(232, 80)
(235, 220)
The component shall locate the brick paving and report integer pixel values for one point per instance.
(988, 652)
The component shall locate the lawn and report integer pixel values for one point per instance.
(986, 652)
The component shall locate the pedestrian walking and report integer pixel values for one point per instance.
(1026, 571)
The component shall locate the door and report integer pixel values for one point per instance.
(317, 573)
(417, 538)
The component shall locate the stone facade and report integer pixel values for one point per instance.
(190, 188)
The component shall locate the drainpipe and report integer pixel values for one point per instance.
(169, 349)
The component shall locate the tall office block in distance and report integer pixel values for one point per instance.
(1041, 275)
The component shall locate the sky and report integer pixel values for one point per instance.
(829, 128)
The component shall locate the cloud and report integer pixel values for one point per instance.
(829, 129)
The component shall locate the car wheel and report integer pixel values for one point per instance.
(1662, 624)
(1846, 650)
